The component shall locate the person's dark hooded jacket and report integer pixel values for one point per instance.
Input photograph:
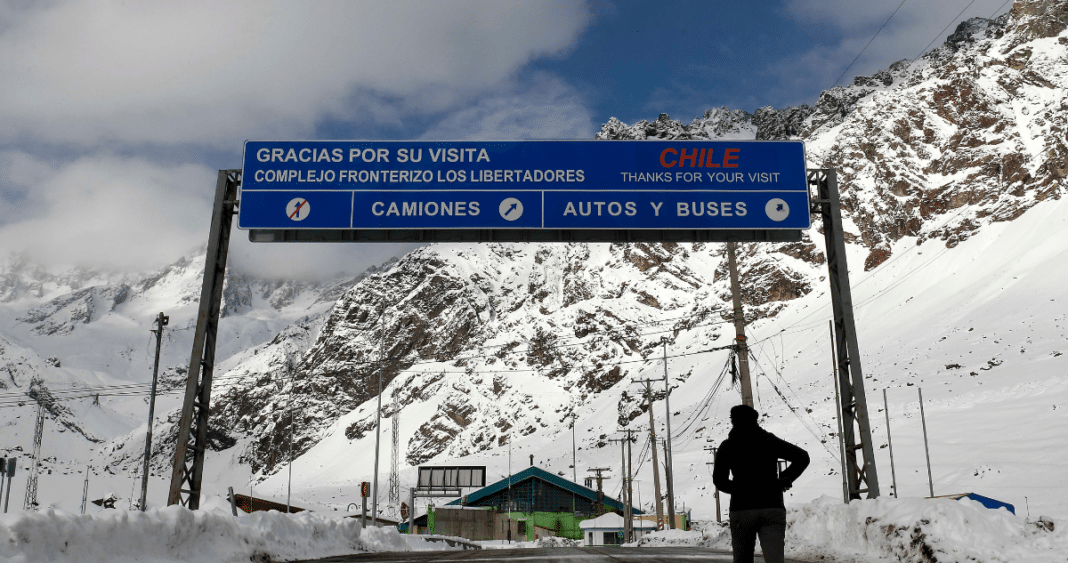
(747, 467)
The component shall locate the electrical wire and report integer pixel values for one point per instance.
(815, 434)
(869, 42)
(939, 34)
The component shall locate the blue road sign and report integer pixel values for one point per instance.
(524, 185)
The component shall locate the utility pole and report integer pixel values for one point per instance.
(669, 471)
(625, 490)
(713, 449)
(625, 486)
(161, 321)
(31, 482)
(656, 468)
(378, 413)
(574, 461)
(600, 478)
(623, 466)
(739, 328)
(630, 490)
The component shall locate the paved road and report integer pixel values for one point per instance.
(549, 555)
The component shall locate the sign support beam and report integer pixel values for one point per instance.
(861, 474)
(192, 441)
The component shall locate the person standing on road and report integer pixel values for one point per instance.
(746, 468)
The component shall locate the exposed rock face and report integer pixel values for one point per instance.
(461, 323)
(971, 133)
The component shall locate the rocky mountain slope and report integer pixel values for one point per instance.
(482, 348)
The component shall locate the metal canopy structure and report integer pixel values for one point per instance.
(193, 431)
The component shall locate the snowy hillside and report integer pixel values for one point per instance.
(952, 172)
(84, 336)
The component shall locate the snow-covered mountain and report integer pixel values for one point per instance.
(952, 173)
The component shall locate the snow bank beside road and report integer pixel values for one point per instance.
(888, 529)
(920, 530)
(178, 534)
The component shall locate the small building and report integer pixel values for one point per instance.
(607, 529)
(252, 504)
(988, 502)
(530, 504)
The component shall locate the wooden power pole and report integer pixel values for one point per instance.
(739, 328)
(656, 464)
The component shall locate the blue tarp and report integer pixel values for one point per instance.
(988, 502)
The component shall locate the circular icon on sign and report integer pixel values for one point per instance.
(777, 210)
(511, 209)
(298, 209)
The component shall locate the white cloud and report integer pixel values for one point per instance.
(128, 215)
(309, 261)
(215, 72)
(103, 212)
(546, 109)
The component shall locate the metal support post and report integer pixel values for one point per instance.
(161, 321)
(630, 487)
(890, 444)
(838, 417)
(233, 501)
(862, 475)
(188, 470)
(926, 449)
(10, 474)
(85, 488)
(411, 510)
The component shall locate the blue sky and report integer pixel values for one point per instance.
(115, 116)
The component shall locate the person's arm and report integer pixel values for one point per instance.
(798, 461)
(721, 471)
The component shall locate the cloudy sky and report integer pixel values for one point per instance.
(115, 115)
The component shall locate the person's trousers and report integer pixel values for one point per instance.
(769, 524)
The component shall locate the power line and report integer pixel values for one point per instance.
(944, 30)
(139, 389)
(869, 42)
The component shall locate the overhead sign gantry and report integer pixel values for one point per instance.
(523, 190)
